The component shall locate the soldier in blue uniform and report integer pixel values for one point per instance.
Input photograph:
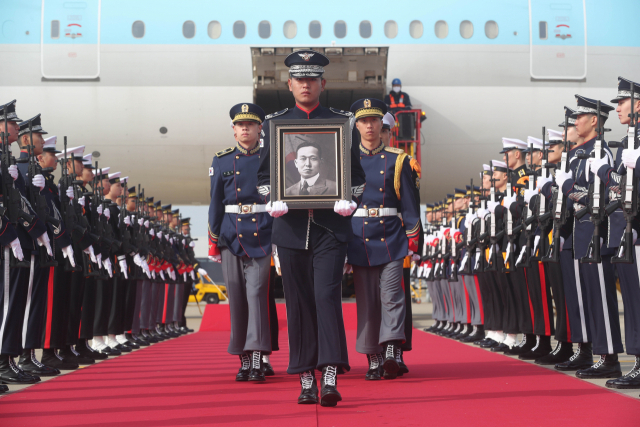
(383, 240)
(598, 278)
(309, 242)
(240, 239)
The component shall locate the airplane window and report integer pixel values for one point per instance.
(542, 30)
(442, 29)
(189, 29)
(365, 29)
(391, 29)
(264, 29)
(340, 29)
(290, 29)
(137, 29)
(491, 29)
(315, 29)
(214, 29)
(466, 29)
(239, 29)
(55, 29)
(416, 29)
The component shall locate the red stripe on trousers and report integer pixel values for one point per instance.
(466, 297)
(166, 296)
(452, 306)
(526, 280)
(475, 278)
(568, 324)
(545, 307)
(47, 337)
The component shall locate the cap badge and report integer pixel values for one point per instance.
(367, 103)
(245, 108)
(306, 56)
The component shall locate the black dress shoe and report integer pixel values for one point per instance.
(256, 373)
(490, 342)
(110, 351)
(30, 364)
(477, 334)
(581, 359)
(400, 359)
(148, 337)
(11, 374)
(432, 327)
(542, 348)
(562, 353)
(267, 369)
(132, 344)
(84, 350)
(629, 381)
(607, 367)
(329, 395)
(70, 355)
(141, 342)
(500, 348)
(309, 389)
(390, 364)
(245, 367)
(3, 388)
(524, 346)
(373, 374)
(51, 358)
(123, 348)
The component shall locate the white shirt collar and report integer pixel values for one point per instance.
(310, 181)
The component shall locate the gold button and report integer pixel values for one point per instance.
(382, 240)
(366, 222)
(239, 235)
(238, 173)
(237, 157)
(239, 189)
(255, 234)
(239, 219)
(381, 172)
(382, 157)
(239, 204)
(365, 206)
(381, 222)
(253, 219)
(381, 206)
(366, 240)
(381, 189)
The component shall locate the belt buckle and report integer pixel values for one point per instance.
(373, 213)
(246, 209)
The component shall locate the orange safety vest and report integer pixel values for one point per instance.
(400, 104)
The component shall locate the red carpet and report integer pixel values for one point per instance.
(190, 381)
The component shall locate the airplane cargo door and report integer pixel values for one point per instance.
(70, 39)
(558, 39)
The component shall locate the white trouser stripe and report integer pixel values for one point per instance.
(605, 308)
(25, 323)
(5, 302)
(583, 323)
(637, 249)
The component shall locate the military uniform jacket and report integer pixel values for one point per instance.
(550, 190)
(82, 240)
(380, 240)
(58, 234)
(292, 229)
(8, 232)
(234, 182)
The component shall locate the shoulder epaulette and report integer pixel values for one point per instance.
(344, 113)
(394, 150)
(225, 151)
(398, 170)
(276, 114)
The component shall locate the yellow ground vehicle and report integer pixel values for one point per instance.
(209, 292)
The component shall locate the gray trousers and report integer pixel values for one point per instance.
(380, 305)
(146, 304)
(446, 298)
(459, 300)
(168, 303)
(135, 326)
(436, 300)
(474, 300)
(158, 301)
(177, 302)
(247, 281)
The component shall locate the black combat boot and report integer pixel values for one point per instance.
(629, 381)
(560, 354)
(11, 374)
(373, 373)
(400, 359)
(542, 348)
(256, 373)
(70, 355)
(31, 365)
(267, 369)
(329, 395)
(309, 388)
(607, 367)
(581, 359)
(245, 367)
(51, 358)
(390, 364)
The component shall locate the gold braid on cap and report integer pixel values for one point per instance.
(243, 117)
(367, 112)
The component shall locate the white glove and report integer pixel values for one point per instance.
(594, 165)
(541, 182)
(146, 223)
(528, 195)
(166, 237)
(561, 177)
(193, 275)
(346, 268)
(17, 249)
(629, 157)
(99, 209)
(491, 206)
(38, 181)
(99, 260)
(264, 190)
(203, 272)
(13, 171)
(277, 209)
(561, 243)
(635, 236)
(81, 201)
(482, 213)
(67, 252)
(153, 275)
(137, 260)
(171, 240)
(107, 213)
(344, 207)
(141, 222)
(43, 240)
(160, 234)
(508, 201)
(70, 194)
(276, 259)
(152, 232)
(107, 266)
(145, 267)
(468, 219)
(415, 257)
(92, 255)
(123, 266)
(161, 274)
(126, 220)
(216, 258)
(184, 275)
(172, 273)
(192, 244)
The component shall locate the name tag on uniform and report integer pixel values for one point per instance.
(210, 171)
(227, 173)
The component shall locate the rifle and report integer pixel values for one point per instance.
(560, 214)
(544, 217)
(68, 212)
(509, 262)
(596, 198)
(469, 241)
(493, 238)
(11, 197)
(525, 257)
(454, 253)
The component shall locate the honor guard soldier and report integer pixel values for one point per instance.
(308, 242)
(397, 100)
(383, 241)
(240, 239)
(597, 274)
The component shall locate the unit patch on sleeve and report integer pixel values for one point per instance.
(210, 171)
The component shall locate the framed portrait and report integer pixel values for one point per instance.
(310, 162)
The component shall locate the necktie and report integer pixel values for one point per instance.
(305, 189)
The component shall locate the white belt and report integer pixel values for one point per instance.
(374, 213)
(245, 209)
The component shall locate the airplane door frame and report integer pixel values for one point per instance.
(77, 77)
(537, 77)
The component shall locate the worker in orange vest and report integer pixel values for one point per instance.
(397, 100)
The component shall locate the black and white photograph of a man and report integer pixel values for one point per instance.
(314, 159)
